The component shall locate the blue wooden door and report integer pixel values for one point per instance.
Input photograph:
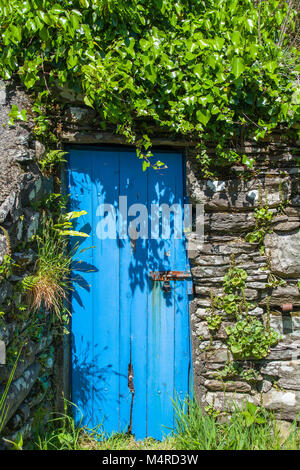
(131, 351)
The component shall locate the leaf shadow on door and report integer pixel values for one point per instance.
(90, 382)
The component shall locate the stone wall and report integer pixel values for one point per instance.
(230, 202)
(21, 188)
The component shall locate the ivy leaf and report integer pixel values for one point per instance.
(146, 165)
(238, 66)
(88, 101)
(16, 114)
(203, 116)
(248, 161)
(236, 38)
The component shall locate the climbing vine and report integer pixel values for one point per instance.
(210, 70)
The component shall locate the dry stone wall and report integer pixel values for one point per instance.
(21, 188)
(230, 202)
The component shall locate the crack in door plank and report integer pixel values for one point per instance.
(132, 391)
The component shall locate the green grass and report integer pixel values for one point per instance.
(251, 428)
(4, 406)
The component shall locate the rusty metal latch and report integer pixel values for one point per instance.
(167, 276)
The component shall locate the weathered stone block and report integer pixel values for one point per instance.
(2, 352)
(20, 388)
(284, 250)
(2, 93)
(285, 404)
(7, 206)
(285, 294)
(224, 222)
(285, 325)
(227, 401)
(5, 291)
(285, 350)
(288, 373)
(218, 385)
(239, 194)
(79, 115)
(236, 248)
(220, 354)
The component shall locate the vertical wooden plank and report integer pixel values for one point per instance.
(181, 325)
(133, 304)
(161, 256)
(106, 295)
(80, 187)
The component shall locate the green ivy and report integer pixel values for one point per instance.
(211, 70)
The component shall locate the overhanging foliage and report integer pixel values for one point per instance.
(211, 69)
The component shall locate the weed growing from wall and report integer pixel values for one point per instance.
(48, 287)
(248, 338)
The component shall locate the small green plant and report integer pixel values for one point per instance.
(263, 216)
(210, 410)
(51, 161)
(6, 268)
(230, 370)
(55, 203)
(233, 369)
(63, 433)
(257, 236)
(254, 414)
(250, 375)
(228, 303)
(275, 281)
(235, 279)
(18, 443)
(249, 339)
(214, 322)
